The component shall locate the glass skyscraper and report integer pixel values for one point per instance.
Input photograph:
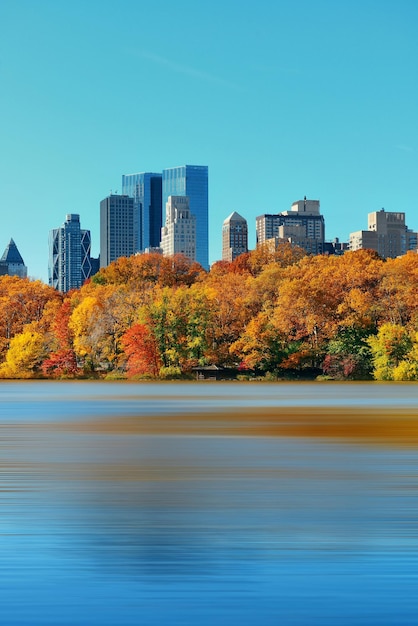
(146, 190)
(69, 255)
(191, 181)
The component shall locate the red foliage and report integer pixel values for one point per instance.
(141, 349)
(60, 325)
(60, 363)
(63, 361)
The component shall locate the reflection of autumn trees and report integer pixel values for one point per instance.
(350, 316)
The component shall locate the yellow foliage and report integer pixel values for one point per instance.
(24, 356)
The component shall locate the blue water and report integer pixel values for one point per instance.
(110, 528)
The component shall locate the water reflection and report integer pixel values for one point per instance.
(116, 510)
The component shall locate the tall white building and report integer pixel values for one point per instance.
(178, 235)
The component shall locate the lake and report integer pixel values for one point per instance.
(208, 503)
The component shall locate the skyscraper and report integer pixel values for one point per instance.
(69, 255)
(117, 236)
(234, 237)
(146, 190)
(192, 181)
(179, 233)
(11, 262)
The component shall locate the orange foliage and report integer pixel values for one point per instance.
(143, 269)
(22, 301)
(62, 361)
(141, 350)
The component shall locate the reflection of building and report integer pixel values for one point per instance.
(146, 190)
(11, 262)
(179, 233)
(117, 236)
(70, 263)
(234, 237)
(192, 181)
(303, 226)
(387, 234)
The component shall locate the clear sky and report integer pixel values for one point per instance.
(281, 99)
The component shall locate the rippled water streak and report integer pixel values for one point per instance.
(158, 504)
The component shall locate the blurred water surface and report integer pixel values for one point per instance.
(122, 504)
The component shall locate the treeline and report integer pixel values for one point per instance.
(272, 314)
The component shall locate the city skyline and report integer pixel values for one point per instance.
(315, 99)
(266, 226)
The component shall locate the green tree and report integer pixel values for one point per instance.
(349, 354)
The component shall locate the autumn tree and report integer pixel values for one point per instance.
(284, 254)
(24, 356)
(141, 350)
(179, 318)
(22, 301)
(229, 311)
(62, 360)
(389, 348)
(260, 346)
(321, 295)
(407, 369)
(398, 290)
(349, 354)
(144, 270)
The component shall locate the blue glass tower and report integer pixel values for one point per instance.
(191, 181)
(146, 190)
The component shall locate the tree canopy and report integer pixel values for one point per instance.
(267, 312)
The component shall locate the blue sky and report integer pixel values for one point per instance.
(280, 99)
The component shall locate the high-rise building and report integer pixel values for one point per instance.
(303, 226)
(11, 262)
(146, 190)
(387, 234)
(69, 255)
(179, 233)
(234, 237)
(192, 181)
(117, 232)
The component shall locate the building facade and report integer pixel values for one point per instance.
(191, 181)
(146, 190)
(69, 255)
(117, 228)
(387, 234)
(234, 237)
(178, 235)
(303, 226)
(11, 262)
